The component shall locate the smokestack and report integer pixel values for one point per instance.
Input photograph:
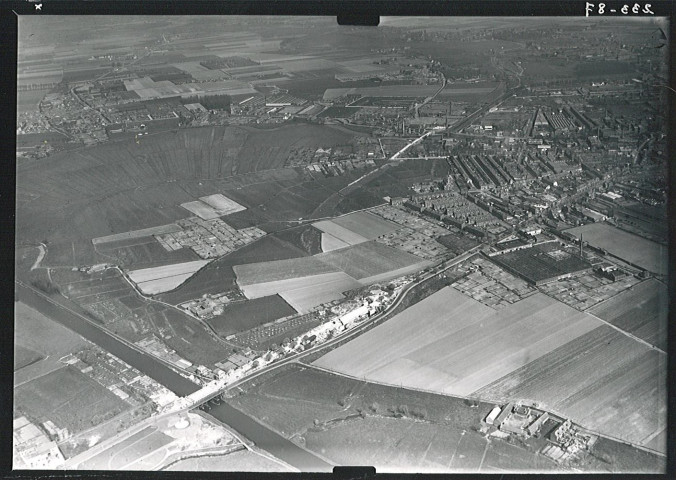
(580, 245)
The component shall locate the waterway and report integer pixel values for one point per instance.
(263, 437)
(268, 440)
(145, 363)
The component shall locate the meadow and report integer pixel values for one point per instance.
(39, 343)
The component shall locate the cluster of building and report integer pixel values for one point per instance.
(119, 378)
(33, 448)
(559, 439)
(208, 238)
(211, 305)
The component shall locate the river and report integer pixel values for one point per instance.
(268, 440)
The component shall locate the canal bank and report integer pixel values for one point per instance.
(145, 363)
(267, 439)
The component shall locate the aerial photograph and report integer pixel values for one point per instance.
(281, 244)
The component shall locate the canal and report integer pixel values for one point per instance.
(268, 440)
(145, 363)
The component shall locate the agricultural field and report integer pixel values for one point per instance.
(39, 342)
(163, 279)
(642, 310)
(277, 270)
(461, 344)
(603, 380)
(334, 235)
(201, 209)
(218, 276)
(241, 316)
(369, 259)
(222, 204)
(68, 398)
(301, 288)
(318, 289)
(637, 250)
(212, 279)
(366, 224)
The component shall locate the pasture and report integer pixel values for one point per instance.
(641, 310)
(534, 350)
(277, 270)
(68, 398)
(306, 237)
(142, 253)
(39, 343)
(135, 234)
(630, 247)
(460, 344)
(402, 430)
(368, 259)
(125, 186)
(240, 316)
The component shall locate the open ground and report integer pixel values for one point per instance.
(352, 422)
(642, 252)
(69, 398)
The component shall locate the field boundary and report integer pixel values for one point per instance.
(624, 332)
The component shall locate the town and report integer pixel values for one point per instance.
(434, 234)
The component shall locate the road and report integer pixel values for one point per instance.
(248, 427)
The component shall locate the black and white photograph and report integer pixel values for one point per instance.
(270, 243)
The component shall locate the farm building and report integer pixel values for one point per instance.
(490, 419)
